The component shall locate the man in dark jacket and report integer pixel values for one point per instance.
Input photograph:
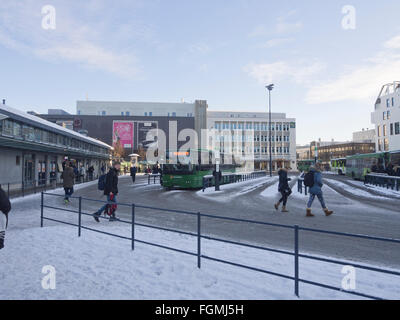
(133, 173)
(284, 189)
(111, 191)
(5, 207)
(68, 177)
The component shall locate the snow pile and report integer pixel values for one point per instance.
(230, 191)
(379, 190)
(354, 191)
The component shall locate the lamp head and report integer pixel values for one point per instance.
(270, 87)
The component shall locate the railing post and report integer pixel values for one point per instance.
(41, 210)
(133, 227)
(80, 217)
(296, 260)
(199, 240)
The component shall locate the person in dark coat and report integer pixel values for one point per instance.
(284, 189)
(5, 208)
(316, 190)
(110, 190)
(68, 177)
(133, 173)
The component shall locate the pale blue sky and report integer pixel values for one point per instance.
(222, 51)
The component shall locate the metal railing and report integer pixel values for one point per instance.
(153, 177)
(23, 188)
(385, 181)
(300, 184)
(198, 217)
(228, 178)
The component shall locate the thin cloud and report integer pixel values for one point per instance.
(72, 41)
(361, 83)
(300, 72)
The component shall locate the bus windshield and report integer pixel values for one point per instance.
(178, 168)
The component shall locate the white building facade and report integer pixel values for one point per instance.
(249, 132)
(386, 118)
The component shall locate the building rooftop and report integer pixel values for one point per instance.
(34, 120)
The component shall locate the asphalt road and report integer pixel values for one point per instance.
(367, 214)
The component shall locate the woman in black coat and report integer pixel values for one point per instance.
(283, 188)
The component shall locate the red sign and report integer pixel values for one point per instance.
(123, 133)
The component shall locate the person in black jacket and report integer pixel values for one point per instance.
(110, 190)
(133, 173)
(5, 207)
(283, 188)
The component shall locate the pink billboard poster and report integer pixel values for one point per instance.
(123, 132)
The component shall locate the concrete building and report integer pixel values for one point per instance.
(303, 152)
(237, 125)
(386, 118)
(139, 109)
(33, 150)
(365, 135)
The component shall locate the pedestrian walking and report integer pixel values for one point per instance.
(5, 208)
(133, 173)
(284, 189)
(111, 191)
(313, 180)
(90, 172)
(68, 177)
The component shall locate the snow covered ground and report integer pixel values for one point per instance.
(98, 266)
(379, 190)
(230, 191)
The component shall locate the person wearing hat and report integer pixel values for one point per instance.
(110, 190)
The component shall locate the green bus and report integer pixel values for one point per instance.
(187, 175)
(304, 165)
(339, 166)
(359, 165)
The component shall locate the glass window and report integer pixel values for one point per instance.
(391, 129)
(38, 135)
(388, 115)
(8, 127)
(103, 113)
(386, 144)
(17, 130)
(384, 115)
(397, 128)
(127, 113)
(384, 130)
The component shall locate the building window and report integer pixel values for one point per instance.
(386, 144)
(122, 113)
(388, 115)
(384, 115)
(379, 145)
(384, 130)
(387, 103)
(397, 128)
(392, 102)
(378, 130)
(127, 113)
(391, 129)
(150, 114)
(174, 114)
(145, 114)
(103, 113)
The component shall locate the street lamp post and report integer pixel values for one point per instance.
(270, 87)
